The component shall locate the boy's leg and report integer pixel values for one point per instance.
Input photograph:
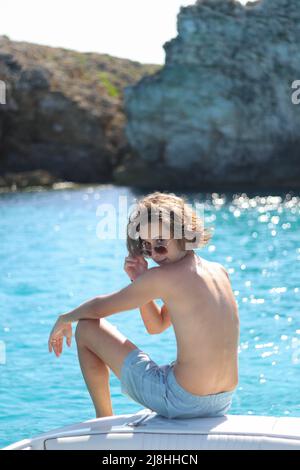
(101, 347)
(96, 375)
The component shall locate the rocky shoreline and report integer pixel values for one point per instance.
(218, 114)
(63, 119)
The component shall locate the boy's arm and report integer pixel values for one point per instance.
(151, 315)
(165, 320)
(146, 287)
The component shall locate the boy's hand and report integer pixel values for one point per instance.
(135, 266)
(60, 329)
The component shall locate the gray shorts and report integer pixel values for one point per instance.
(156, 387)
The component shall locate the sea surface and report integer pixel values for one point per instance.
(54, 256)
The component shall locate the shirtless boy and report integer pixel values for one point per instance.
(198, 302)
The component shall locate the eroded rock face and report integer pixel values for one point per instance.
(63, 113)
(219, 113)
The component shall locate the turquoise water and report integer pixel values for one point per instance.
(51, 260)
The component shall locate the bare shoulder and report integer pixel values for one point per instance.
(213, 265)
(158, 276)
(222, 268)
(164, 277)
(154, 273)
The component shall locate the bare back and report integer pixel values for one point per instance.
(204, 314)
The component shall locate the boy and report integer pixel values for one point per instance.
(198, 303)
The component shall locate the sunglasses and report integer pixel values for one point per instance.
(159, 248)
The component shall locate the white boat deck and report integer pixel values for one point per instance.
(145, 430)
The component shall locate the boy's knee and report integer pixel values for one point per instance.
(83, 328)
(78, 331)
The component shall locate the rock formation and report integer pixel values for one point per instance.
(63, 113)
(219, 113)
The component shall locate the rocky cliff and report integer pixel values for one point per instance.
(219, 113)
(63, 113)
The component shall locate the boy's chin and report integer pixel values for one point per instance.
(163, 261)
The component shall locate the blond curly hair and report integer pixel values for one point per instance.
(173, 213)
